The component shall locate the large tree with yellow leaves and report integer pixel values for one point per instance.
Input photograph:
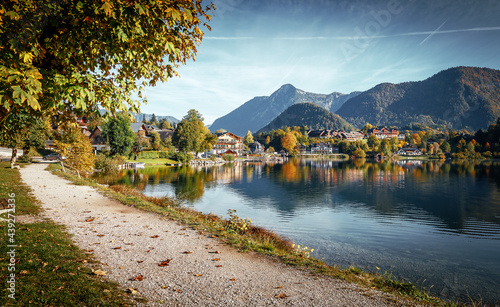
(77, 56)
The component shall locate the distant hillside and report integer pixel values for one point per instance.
(139, 117)
(259, 111)
(308, 114)
(457, 98)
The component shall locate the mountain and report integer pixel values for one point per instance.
(457, 98)
(139, 117)
(310, 115)
(259, 111)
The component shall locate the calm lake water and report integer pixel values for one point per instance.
(435, 224)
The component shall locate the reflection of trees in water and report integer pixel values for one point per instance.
(451, 191)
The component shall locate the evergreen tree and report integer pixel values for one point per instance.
(119, 134)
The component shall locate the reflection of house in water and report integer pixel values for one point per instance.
(227, 174)
(409, 163)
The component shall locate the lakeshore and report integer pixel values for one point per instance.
(130, 243)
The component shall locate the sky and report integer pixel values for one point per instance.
(325, 46)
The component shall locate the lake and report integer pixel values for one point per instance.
(436, 224)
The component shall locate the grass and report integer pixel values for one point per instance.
(49, 268)
(159, 161)
(244, 237)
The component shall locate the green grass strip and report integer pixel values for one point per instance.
(48, 268)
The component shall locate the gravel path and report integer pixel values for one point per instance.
(197, 271)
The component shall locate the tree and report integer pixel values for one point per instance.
(155, 140)
(79, 56)
(416, 140)
(23, 130)
(366, 128)
(385, 147)
(191, 134)
(359, 153)
(373, 142)
(37, 135)
(165, 124)
(268, 140)
(75, 147)
(193, 116)
(153, 119)
(248, 139)
(139, 144)
(289, 142)
(119, 134)
(445, 146)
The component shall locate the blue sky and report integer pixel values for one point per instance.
(325, 46)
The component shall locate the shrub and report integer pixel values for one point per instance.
(182, 157)
(228, 157)
(108, 164)
(164, 154)
(149, 155)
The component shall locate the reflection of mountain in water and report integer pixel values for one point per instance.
(453, 193)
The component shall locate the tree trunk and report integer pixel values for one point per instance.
(14, 157)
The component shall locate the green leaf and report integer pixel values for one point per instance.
(107, 7)
(17, 91)
(11, 78)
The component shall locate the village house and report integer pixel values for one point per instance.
(256, 148)
(165, 133)
(97, 140)
(302, 149)
(352, 136)
(323, 149)
(409, 151)
(319, 133)
(383, 133)
(228, 143)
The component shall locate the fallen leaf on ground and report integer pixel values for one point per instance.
(132, 291)
(164, 287)
(99, 272)
(233, 279)
(188, 252)
(279, 287)
(218, 266)
(140, 261)
(215, 252)
(282, 295)
(89, 250)
(155, 236)
(165, 263)
(23, 272)
(59, 288)
(198, 275)
(100, 235)
(139, 278)
(90, 219)
(216, 259)
(118, 247)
